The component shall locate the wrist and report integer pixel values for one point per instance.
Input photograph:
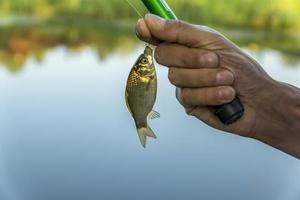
(281, 121)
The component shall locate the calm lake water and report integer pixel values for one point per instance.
(65, 132)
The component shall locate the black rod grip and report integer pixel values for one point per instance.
(230, 112)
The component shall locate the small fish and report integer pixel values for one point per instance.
(141, 92)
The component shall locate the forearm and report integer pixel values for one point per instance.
(281, 128)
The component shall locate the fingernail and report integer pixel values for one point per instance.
(158, 21)
(139, 22)
(224, 78)
(137, 33)
(226, 94)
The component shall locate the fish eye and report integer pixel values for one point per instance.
(144, 61)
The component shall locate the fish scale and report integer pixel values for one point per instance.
(132, 80)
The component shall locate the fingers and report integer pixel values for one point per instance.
(206, 114)
(206, 96)
(199, 78)
(195, 68)
(181, 56)
(143, 32)
(174, 31)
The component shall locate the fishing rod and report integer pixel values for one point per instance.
(227, 113)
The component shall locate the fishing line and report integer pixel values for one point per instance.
(134, 8)
(139, 13)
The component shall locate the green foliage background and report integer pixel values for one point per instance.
(275, 15)
(29, 28)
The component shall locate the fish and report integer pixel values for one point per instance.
(140, 94)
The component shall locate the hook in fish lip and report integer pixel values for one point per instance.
(148, 51)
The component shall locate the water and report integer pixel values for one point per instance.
(66, 133)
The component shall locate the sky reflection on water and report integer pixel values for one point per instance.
(66, 134)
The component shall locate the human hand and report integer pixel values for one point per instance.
(210, 70)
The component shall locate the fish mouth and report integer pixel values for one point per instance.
(148, 51)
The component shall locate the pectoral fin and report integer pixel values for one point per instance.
(149, 83)
(154, 114)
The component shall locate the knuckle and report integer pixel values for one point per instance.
(185, 95)
(174, 27)
(173, 24)
(190, 110)
(169, 25)
(158, 54)
(210, 59)
(178, 24)
(172, 76)
(199, 57)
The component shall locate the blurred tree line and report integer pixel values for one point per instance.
(17, 43)
(274, 15)
(76, 24)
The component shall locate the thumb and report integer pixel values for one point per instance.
(173, 31)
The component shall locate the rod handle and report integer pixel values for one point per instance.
(230, 112)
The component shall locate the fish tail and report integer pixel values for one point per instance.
(143, 132)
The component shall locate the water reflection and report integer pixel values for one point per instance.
(66, 132)
(18, 43)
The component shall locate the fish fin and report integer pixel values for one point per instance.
(149, 132)
(154, 114)
(149, 83)
(142, 136)
(143, 133)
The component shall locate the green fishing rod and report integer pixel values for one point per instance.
(227, 113)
